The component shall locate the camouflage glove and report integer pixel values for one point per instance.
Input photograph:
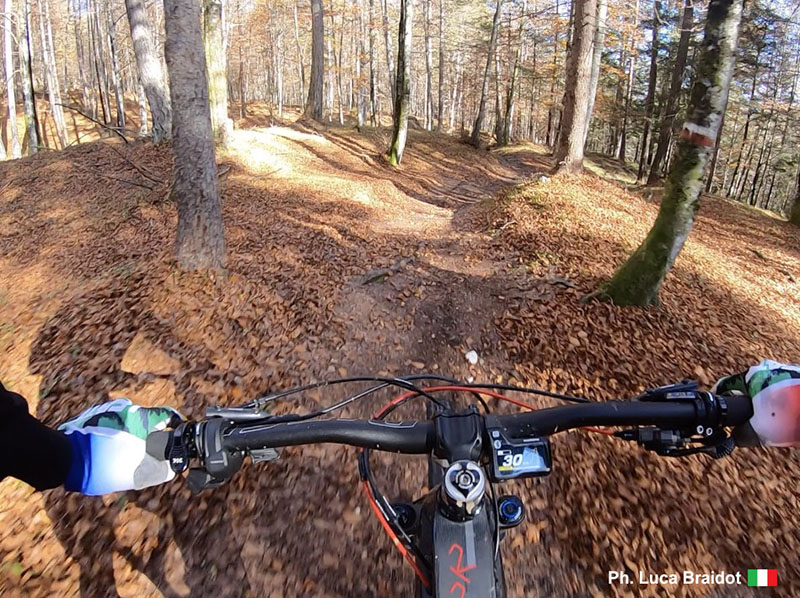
(108, 447)
(775, 390)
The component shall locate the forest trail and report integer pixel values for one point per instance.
(340, 265)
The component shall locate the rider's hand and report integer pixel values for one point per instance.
(108, 447)
(775, 390)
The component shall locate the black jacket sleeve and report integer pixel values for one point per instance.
(29, 450)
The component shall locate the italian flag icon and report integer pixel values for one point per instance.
(762, 577)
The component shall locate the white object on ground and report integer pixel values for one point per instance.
(472, 357)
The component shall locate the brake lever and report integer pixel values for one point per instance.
(237, 414)
(199, 479)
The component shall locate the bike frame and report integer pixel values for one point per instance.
(463, 552)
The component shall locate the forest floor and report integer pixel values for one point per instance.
(340, 265)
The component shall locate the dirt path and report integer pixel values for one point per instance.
(339, 265)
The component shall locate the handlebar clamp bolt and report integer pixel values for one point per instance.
(463, 490)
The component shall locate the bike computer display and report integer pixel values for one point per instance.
(519, 458)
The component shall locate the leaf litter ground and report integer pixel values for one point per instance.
(463, 250)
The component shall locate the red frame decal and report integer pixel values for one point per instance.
(459, 571)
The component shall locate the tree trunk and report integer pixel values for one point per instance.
(217, 73)
(650, 100)
(440, 107)
(15, 149)
(670, 110)
(337, 61)
(26, 69)
(150, 71)
(361, 69)
(638, 281)
(569, 148)
(533, 110)
(794, 216)
(53, 91)
(140, 95)
(86, 102)
(403, 91)
(504, 138)
(315, 87)
(115, 72)
(428, 65)
(301, 59)
(200, 242)
(373, 89)
(551, 114)
(597, 56)
(475, 137)
(622, 149)
(389, 58)
(746, 131)
(498, 102)
(99, 61)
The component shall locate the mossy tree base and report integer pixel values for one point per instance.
(639, 279)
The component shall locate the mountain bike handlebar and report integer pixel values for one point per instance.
(722, 411)
(413, 438)
(418, 437)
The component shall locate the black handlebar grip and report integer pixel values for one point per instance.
(740, 409)
(156, 443)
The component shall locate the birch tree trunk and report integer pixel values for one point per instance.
(315, 87)
(214, 45)
(26, 69)
(150, 71)
(403, 91)
(200, 242)
(687, 23)
(15, 150)
(569, 147)
(638, 281)
(475, 137)
(53, 91)
(597, 56)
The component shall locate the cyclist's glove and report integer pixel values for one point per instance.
(108, 447)
(775, 390)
